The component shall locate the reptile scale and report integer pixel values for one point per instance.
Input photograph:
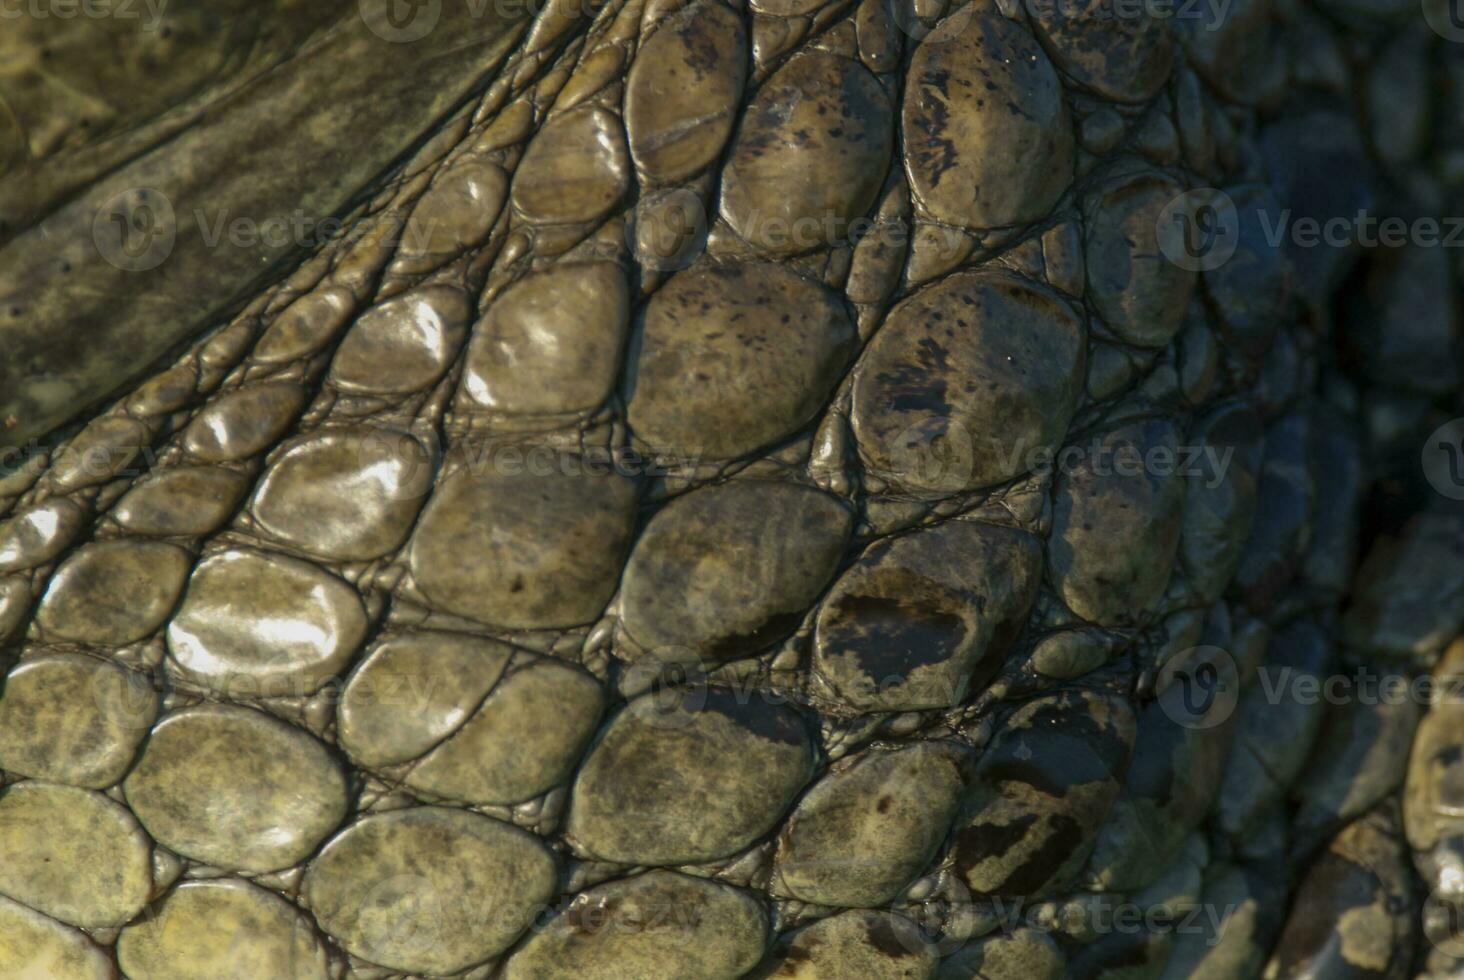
(842, 489)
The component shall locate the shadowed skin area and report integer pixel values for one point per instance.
(726, 489)
(302, 136)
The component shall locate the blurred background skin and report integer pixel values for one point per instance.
(225, 108)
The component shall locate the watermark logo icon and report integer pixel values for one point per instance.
(1199, 230)
(947, 923)
(400, 912)
(400, 21)
(125, 698)
(935, 454)
(398, 464)
(667, 231)
(1199, 687)
(672, 684)
(1445, 18)
(1443, 458)
(136, 229)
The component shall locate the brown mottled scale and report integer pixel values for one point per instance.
(751, 490)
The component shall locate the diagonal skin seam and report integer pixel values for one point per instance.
(82, 334)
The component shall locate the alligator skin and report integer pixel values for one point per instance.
(687, 525)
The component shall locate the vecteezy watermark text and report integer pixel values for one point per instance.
(1200, 230)
(150, 12)
(1364, 229)
(137, 229)
(1443, 459)
(1361, 686)
(940, 453)
(282, 231)
(1202, 462)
